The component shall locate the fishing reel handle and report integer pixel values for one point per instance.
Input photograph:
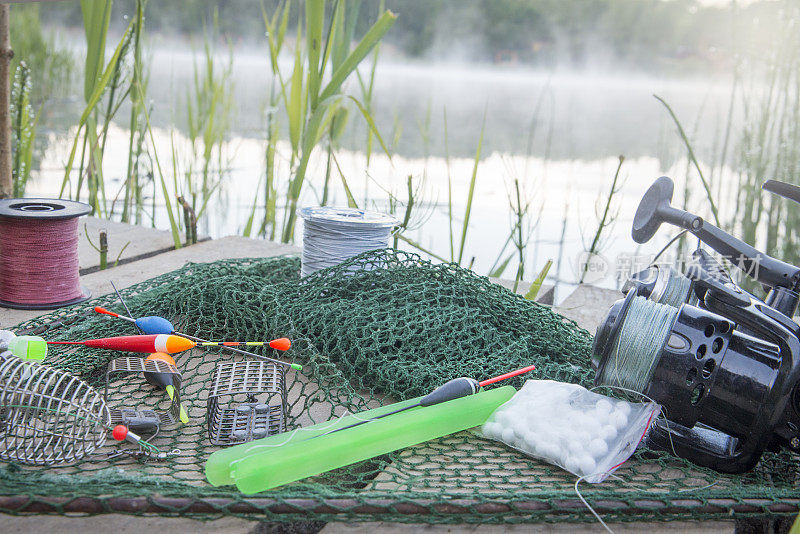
(782, 189)
(655, 209)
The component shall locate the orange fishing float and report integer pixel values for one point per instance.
(152, 343)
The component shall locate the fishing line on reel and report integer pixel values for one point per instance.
(642, 334)
(676, 290)
(333, 235)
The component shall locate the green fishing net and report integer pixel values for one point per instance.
(382, 327)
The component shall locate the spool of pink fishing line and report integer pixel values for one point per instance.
(39, 253)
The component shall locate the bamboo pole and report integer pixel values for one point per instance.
(6, 185)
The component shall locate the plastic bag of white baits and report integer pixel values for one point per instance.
(586, 433)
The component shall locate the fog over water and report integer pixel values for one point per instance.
(559, 133)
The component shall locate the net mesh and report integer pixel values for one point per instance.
(382, 327)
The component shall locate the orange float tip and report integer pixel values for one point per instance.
(98, 309)
(282, 343)
(175, 344)
(163, 356)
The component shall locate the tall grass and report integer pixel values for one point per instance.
(96, 18)
(764, 144)
(693, 159)
(309, 104)
(99, 75)
(607, 215)
(23, 129)
(276, 26)
(51, 67)
(471, 193)
(133, 199)
(769, 146)
(209, 106)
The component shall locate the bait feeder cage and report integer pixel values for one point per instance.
(48, 417)
(724, 364)
(247, 401)
(143, 420)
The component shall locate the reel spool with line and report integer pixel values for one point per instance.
(666, 285)
(661, 284)
(333, 235)
(39, 267)
(727, 371)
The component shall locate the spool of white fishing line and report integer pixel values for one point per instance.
(332, 235)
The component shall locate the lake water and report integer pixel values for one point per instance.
(559, 134)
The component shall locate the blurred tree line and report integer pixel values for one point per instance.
(648, 34)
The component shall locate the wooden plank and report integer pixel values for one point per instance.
(588, 305)
(689, 527)
(125, 241)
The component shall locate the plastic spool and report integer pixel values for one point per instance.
(332, 235)
(39, 267)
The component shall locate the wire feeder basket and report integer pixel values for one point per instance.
(47, 416)
(134, 365)
(247, 401)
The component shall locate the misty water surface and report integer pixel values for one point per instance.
(559, 133)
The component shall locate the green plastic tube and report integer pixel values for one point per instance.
(219, 463)
(261, 471)
(28, 347)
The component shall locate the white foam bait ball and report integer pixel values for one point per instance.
(619, 420)
(603, 406)
(508, 435)
(532, 440)
(623, 407)
(492, 430)
(608, 432)
(572, 464)
(546, 450)
(597, 448)
(583, 436)
(504, 418)
(592, 425)
(533, 424)
(587, 465)
(517, 411)
(574, 446)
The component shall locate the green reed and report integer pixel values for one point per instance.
(310, 103)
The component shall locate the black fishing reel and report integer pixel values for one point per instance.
(724, 365)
